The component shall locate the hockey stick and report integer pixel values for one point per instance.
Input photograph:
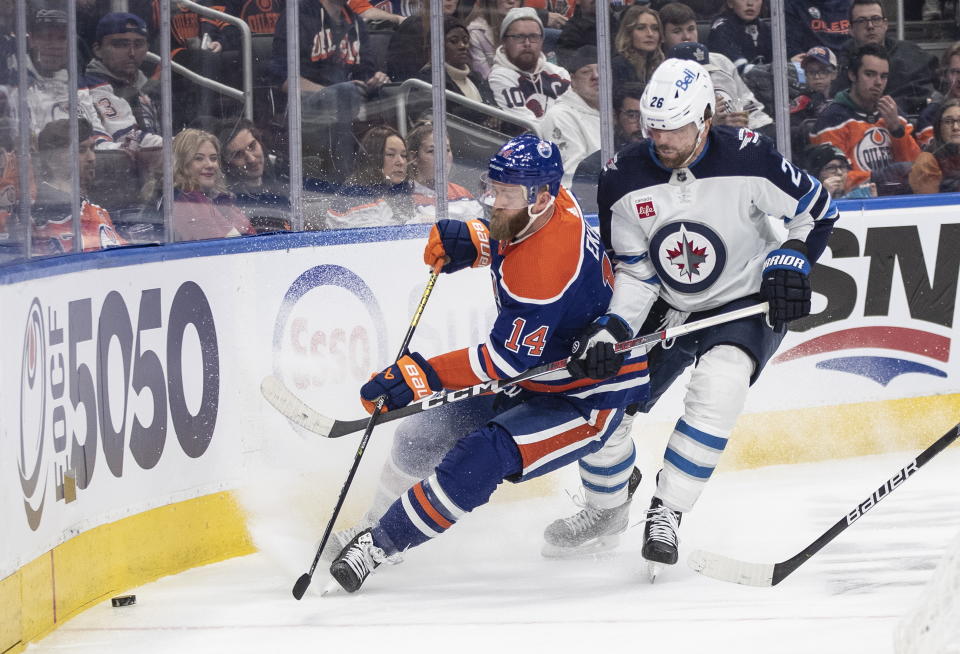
(770, 574)
(283, 399)
(300, 587)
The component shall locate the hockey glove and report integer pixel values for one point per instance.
(410, 378)
(786, 284)
(467, 244)
(592, 352)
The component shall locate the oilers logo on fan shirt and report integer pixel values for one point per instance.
(688, 256)
(875, 149)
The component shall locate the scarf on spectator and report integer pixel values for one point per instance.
(460, 77)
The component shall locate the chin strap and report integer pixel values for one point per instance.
(696, 147)
(534, 216)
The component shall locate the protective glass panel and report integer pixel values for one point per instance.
(229, 160)
(13, 141)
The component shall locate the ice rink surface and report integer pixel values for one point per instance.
(483, 586)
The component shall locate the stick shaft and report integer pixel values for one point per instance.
(784, 568)
(344, 427)
(301, 586)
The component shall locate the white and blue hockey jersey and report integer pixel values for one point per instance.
(698, 236)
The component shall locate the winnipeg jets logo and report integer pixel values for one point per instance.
(688, 256)
(747, 137)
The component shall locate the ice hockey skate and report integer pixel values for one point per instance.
(357, 560)
(660, 541)
(340, 539)
(590, 530)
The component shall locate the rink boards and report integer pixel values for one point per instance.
(131, 409)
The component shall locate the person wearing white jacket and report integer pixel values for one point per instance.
(522, 80)
(573, 123)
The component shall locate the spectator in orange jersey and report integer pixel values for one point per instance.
(937, 168)
(202, 206)
(865, 124)
(53, 210)
(461, 204)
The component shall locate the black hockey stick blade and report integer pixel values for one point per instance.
(284, 401)
(300, 587)
(736, 571)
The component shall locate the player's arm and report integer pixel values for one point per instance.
(806, 207)
(636, 284)
(635, 288)
(809, 215)
(516, 343)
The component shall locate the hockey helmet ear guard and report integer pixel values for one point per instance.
(679, 93)
(530, 162)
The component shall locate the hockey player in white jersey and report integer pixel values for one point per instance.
(686, 214)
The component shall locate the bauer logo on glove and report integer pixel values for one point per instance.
(411, 378)
(459, 244)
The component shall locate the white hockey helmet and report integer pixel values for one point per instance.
(678, 93)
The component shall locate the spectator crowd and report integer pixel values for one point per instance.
(869, 114)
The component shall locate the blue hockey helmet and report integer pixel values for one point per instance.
(529, 161)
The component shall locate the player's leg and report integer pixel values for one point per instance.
(419, 444)
(731, 358)
(609, 480)
(593, 528)
(715, 396)
(527, 441)
(464, 480)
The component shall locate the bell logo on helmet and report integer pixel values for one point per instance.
(688, 77)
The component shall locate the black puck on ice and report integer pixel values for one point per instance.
(123, 600)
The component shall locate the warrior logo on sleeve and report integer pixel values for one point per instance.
(688, 256)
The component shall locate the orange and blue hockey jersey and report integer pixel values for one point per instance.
(864, 137)
(549, 287)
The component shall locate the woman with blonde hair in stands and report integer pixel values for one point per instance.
(202, 206)
(638, 45)
(461, 205)
(379, 191)
(483, 24)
